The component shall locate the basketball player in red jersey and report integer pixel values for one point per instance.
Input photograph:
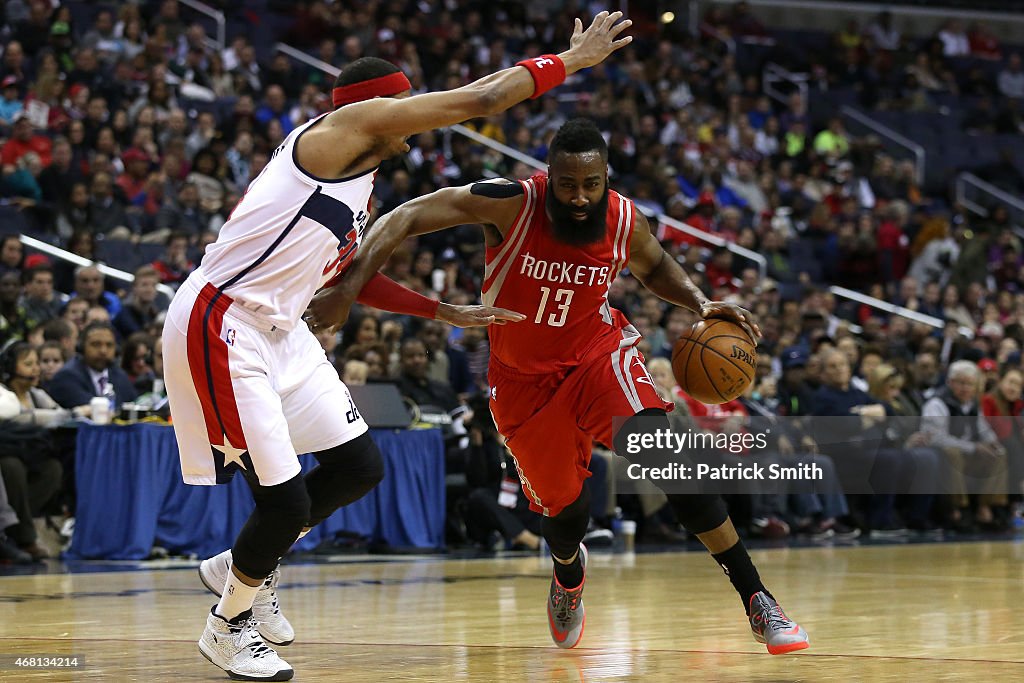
(248, 384)
(554, 243)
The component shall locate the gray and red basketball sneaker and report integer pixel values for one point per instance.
(772, 627)
(566, 617)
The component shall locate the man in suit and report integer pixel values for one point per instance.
(94, 372)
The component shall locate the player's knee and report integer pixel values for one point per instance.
(358, 463)
(287, 504)
(346, 473)
(564, 531)
(372, 472)
(699, 512)
(579, 508)
(627, 438)
(295, 508)
(647, 420)
(633, 441)
(282, 511)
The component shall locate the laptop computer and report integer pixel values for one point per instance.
(381, 406)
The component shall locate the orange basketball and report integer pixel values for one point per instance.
(715, 361)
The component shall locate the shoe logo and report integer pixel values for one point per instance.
(558, 634)
(215, 637)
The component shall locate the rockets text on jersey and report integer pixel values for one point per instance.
(562, 289)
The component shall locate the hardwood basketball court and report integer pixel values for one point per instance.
(945, 611)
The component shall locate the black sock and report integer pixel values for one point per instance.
(569, 575)
(742, 573)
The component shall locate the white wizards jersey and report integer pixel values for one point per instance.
(289, 235)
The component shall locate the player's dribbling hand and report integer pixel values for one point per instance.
(590, 47)
(733, 313)
(476, 316)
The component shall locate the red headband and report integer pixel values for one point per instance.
(384, 86)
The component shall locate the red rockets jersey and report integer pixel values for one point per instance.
(561, 289)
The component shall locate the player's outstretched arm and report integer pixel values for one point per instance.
(384, 293)
(663, 276)
(492, 94)
(436, 211)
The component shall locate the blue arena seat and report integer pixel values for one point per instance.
(120, 254)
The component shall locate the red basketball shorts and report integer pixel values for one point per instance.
(551, 421)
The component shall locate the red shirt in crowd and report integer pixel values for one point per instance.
(709, 416)
(14, 149)
(718, 277)
(1001, 423)
(131, 186)
(892, 242)
(984, 45)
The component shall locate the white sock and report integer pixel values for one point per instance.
(236, 597)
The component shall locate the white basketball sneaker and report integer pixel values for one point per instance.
(272, 625)
(237, 647)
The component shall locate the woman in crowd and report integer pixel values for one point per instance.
(363, 330)
(1002, 408)
(902, 435)
(51, 360)
(31, 475)
(137, 360)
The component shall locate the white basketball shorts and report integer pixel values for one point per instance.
(246, 395)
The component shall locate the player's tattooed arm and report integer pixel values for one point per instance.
(663, 276)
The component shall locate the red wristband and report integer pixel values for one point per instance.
(384, 293)
(548, 72)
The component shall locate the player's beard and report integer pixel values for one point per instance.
(573, 231)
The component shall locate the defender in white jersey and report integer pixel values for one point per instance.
(236, 324)
(249, 386)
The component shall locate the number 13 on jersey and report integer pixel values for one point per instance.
(563, 297)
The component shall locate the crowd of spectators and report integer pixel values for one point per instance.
(131, 130)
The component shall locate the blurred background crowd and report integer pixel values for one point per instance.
(128, 137)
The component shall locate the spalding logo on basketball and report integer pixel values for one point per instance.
(715, 362)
